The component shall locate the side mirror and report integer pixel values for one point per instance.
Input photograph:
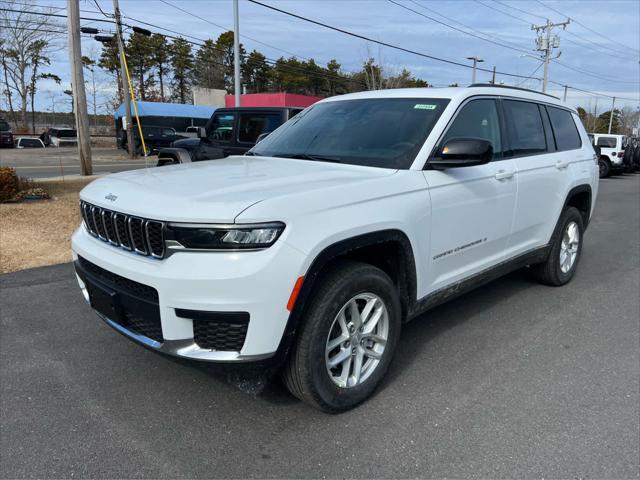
(262, 136)
(463, 152)
(202, 132)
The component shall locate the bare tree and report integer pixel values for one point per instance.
(27, 36)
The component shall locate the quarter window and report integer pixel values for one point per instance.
(607, 142)
(252, 125)
(564, 129)
(477, 119)
(526, 131)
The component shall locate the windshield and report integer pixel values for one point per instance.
(4, 126)
(377, 132)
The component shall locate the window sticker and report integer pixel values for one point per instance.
(424, 106)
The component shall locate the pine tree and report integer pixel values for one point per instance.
(160, 57)
(182, 65)
(208, 69)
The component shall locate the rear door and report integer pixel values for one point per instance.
(543, 170)
(472, 207)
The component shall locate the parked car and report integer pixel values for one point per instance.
(29, 142)
(59, 137)
(611, 153)
(6, 136)
(155, 138)
(362, 212)
(229, 131)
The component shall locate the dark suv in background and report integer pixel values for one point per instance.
(6, 137)
(229, 131)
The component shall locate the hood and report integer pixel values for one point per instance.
(186, 143)
(217, 191)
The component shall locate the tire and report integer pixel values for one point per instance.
(307, 374)
(604, 166)
(552, 271)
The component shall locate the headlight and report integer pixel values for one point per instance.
(223, 237)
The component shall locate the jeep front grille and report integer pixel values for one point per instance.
(143, 236)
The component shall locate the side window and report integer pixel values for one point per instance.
(222, 128)
(564, 129)
(524, 124)
(253, 124)
(477, 119)
(607, 142)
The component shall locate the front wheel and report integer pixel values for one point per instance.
(566, 247)
(347, 339)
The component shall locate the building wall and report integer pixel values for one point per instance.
(209, 96)
(272, 100)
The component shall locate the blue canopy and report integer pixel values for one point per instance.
(159, 109)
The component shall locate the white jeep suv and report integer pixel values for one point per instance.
(360, 213)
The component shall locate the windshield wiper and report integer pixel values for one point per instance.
(307, 156)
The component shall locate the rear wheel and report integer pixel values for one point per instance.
(347, 339)
(566, 247)
(605, 167)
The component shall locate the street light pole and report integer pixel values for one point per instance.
(125, 88)
(613, 103)
(236, 53)
(476, 60)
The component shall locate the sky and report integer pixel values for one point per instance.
(606, 61)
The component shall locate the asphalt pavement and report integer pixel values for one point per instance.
(513, 380)
(41, 163)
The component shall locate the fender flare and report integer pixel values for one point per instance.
(176, 154)
(584, 188)
(331, 253)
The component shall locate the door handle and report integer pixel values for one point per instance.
(504, 174)
(561, 164)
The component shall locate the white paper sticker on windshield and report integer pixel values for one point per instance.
(425, 106)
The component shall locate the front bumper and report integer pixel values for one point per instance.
(258, 283)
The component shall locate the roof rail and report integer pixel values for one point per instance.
(513, 88)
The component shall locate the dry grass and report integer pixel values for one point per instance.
(34, 234)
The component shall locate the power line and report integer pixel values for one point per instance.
(520, 10)
(531, 75)
(585, 72)
(228, 29)
(384, 44)
(527, 22)
(464, 25)
(588, 28)
(456, 28)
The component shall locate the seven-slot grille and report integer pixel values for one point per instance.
(145, 237)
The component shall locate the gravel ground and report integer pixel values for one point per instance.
(514, 380)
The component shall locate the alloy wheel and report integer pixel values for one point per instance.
(357, 340)
(569, 246)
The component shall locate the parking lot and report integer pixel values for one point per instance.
(57, 162)
(512, 380)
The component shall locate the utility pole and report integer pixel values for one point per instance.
(79, 94)
(125, 88)
(613, 103)
(564, 98)
(493, 76)
(236, 52)
(545, 43)
(476, 61)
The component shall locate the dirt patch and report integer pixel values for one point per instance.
(34, 234)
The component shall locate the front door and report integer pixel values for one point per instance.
(472, 207)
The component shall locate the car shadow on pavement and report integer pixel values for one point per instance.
(415, 338)
(420, 332)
